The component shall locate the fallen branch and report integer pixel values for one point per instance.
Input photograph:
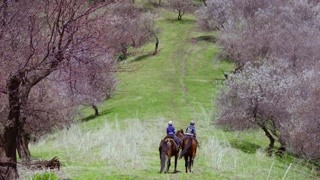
(54, 163)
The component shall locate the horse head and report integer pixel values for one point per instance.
(180, 131)
(180, 134)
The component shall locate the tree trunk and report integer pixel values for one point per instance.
(6, 165)
(271, 138)
(124, 52)
(179, 15)
(96, 111)
(9, 158)
(23, 145)
(22, 136)
(255, 104)
(156, 44)
(204, 2)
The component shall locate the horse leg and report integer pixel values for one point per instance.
(162, 166)
(191, 163)
(168, 164)
(192, 158)
(186, 163)
(175, 163)
(162, 161)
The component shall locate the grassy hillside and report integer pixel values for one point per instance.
(177, 84)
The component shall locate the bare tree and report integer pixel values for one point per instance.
(280, 101)
(42, 43)
(213, 15)
(129, 28)
(265, 26)
(181, 7)
(301, 133)
(149, 29)
(253, 99)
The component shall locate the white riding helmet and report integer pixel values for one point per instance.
(170, 122)
(192, 123)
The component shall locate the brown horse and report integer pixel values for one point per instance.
(180, 134)
(167, 149)
(189, 151)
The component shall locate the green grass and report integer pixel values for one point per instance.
(177, 84)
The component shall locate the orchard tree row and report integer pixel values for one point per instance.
(275, 45)
(54, 57)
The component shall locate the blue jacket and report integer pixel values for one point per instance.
(170, 130)
(191, 130)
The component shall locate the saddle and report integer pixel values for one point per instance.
(192, 137)
(168, 136)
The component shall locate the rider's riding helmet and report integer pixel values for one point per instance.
(192, 123)
(170, 123)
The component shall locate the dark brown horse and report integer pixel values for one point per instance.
(189, 151)
(167, 149)
(180, 134)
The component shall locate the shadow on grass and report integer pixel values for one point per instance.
(183, 21)
(141, 58)
(145, 56)
(172, 172)
(245, 147)
(93, 116)
(153, 4)
(126, 177)
(176, 172)
(288, 157)
(208, 38)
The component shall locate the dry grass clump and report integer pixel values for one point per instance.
(118, 146)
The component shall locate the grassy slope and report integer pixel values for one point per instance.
(177, 84)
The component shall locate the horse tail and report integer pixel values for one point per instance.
(162, 152)
(160, 148)
(185, 150)
(163, 148)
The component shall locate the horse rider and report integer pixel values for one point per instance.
(191, 131)
(171, 133)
